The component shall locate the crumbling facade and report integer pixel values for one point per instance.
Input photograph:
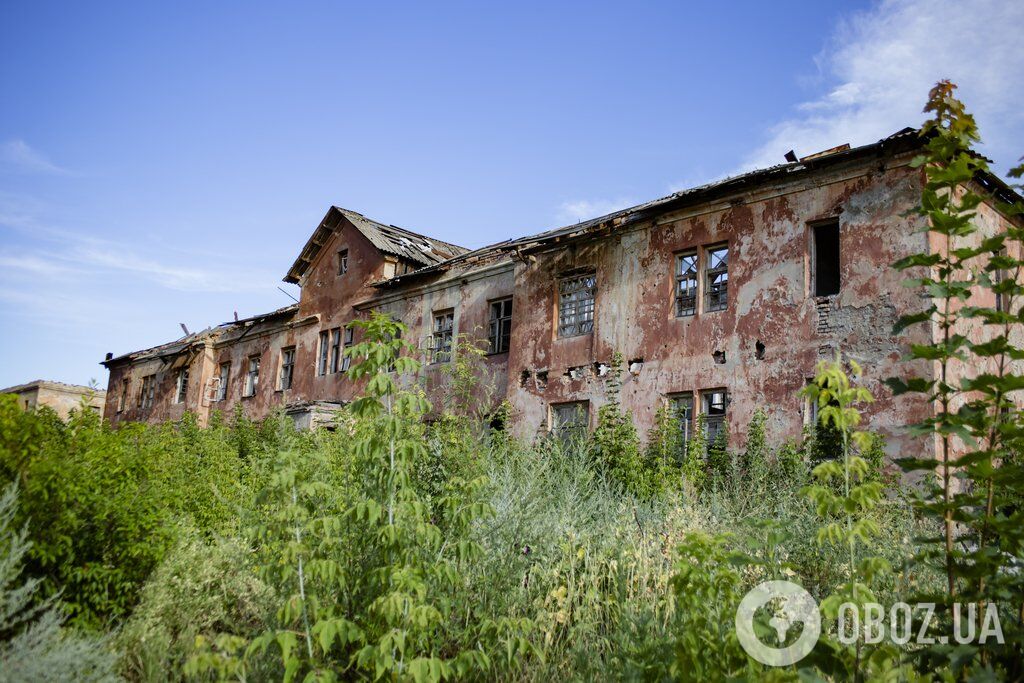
(720, 299)
(60, 397)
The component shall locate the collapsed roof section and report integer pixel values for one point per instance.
(418, 249)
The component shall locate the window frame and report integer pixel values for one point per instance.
(714, 422)
(575, 317)
(335, 350)
(499, 339)
(687, 425)
(719, 291)
(181, 385)
(323, 341)
(556, 425)
(287, 369)
(442, 353)
(252, 376)
(147, 393)
(342, 261)
(678, 298)
(122, 400)
(348, 341)
(223, 378)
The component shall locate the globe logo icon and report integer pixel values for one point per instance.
(792, 606)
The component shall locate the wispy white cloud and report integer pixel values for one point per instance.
(585, 209)
(881, 63)
(18, 155)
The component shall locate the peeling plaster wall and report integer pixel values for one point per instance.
(769, 301)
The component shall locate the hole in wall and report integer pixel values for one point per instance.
(719, 357)
(759, 349)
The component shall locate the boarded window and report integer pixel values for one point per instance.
(287, 368)
(252, 376)
(336, 349)
(576, 305)
(222, 381)
(346, 360)
(441, 339)
(681, 405)
(342, 261)
(826, 258)
(716, 287)
(500, 332)
(569, 420)
(181, 386)
(714, 406)
(686, 284)
(148, 391)
(322, 350)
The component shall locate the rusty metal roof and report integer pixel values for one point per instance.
(418, 249)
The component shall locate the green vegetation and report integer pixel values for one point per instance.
(401, 548)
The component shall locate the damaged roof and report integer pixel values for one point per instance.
(179, 346)
(904, 140)
(418, 249)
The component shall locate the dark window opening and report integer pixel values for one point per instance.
(342, 261)
(569, 420)
(335, 349)
(346, 360)
(441, 340)
(287, 368)
(500, 333)
(826, 259)
(715, 403)
(321, 359)
(716, 293)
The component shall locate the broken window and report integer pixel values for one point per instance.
(148, 391)
(441, 339)
(576, 305)
(335, 349)
(252, 377)
(346, 360)
(825, 263)
(122, 401)
(287, 368)
(569, 420)
(342, 261)
(715, 402)
(681, 405)
(222, 381)
(321, 358)
(181, 386)
(500, 325)
(686, 284)
(716, 287)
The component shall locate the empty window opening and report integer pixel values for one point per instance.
(252, 376)
(441, 339)
(222, 381)
(714, 406)
(686, 284)
(342, 261)
(568, 421)
(542, 380)
(759, 349)
(826, 259)
(322, 351)
(716, 287)
(500, 332)
(524, 378)
(181, 386)
(122, 402)
(287, 368)
(576, 305)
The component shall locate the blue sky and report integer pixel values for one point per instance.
(164, 163)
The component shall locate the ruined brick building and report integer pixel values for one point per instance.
(721, 299)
